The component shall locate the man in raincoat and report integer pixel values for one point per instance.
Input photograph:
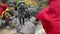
(50, 17)
(3, 12)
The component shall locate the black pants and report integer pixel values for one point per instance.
(21, 19)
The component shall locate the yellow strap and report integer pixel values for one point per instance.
(7, 9)
(3, 13)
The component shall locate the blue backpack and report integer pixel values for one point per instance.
(21, 9)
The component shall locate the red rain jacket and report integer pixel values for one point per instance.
(50, 17)
(2, 8)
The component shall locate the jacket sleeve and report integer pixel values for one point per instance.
(40, 15)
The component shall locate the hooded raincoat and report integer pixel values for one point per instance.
(50, 17)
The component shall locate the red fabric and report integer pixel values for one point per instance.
(3, 6)
(1, 10)
(50, 17)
